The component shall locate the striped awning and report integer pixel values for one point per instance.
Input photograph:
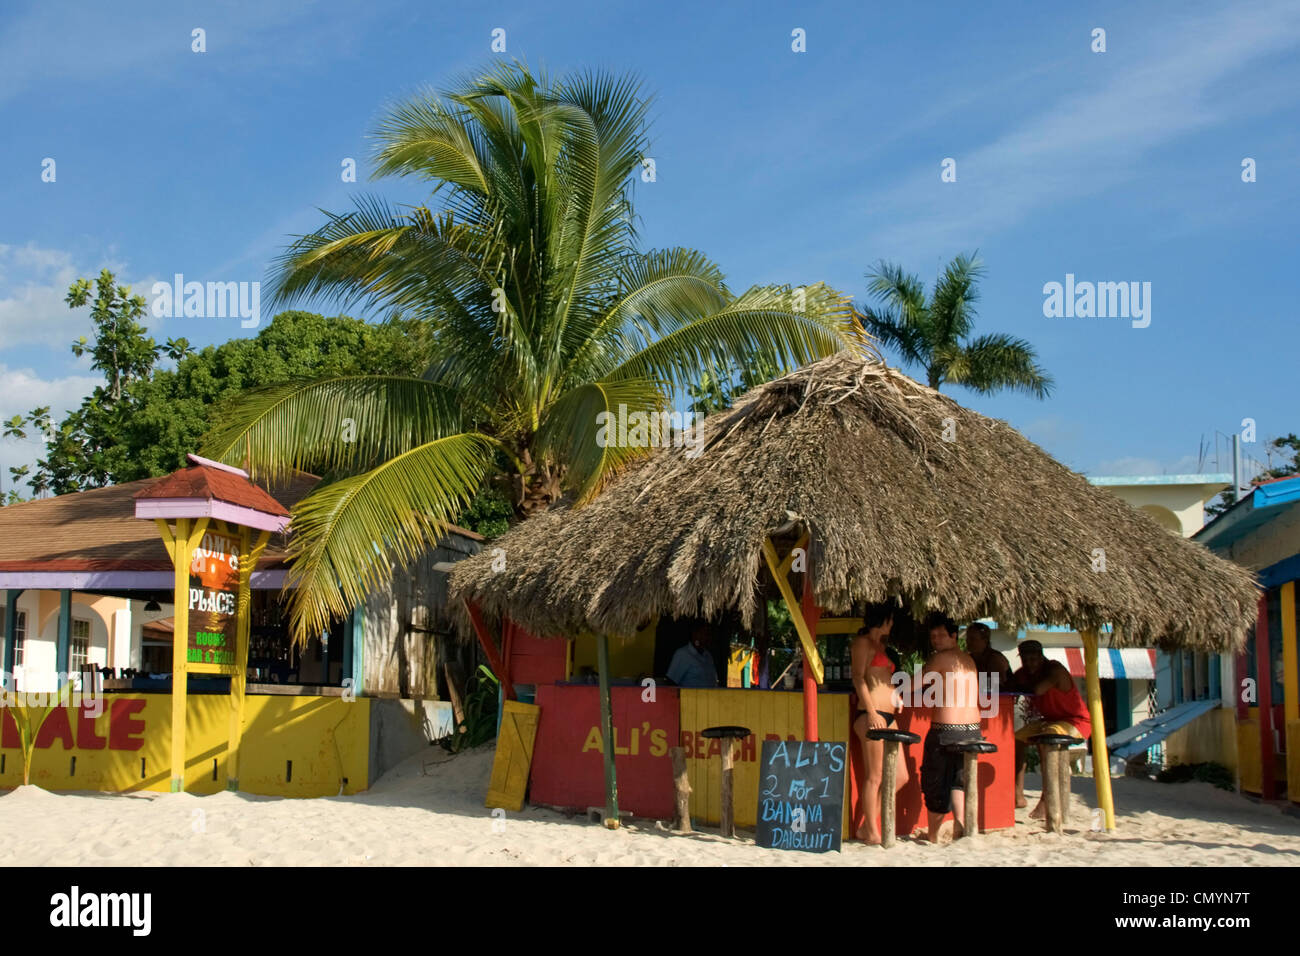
(1128, 663)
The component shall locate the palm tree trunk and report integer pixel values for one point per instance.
(537, 487)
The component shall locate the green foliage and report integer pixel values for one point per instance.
(1213, 773)
(164, 415)
(488, 514)
(716, 390)
(935, 334)
(780, 628)
(120, 350)
(1288, 445)
(480, 723)
(545, 316)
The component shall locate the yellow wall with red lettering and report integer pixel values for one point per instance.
(327, 739)
(763, 712)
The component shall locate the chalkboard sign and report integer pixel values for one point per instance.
(801, 795)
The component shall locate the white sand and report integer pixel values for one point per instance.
(414, 817)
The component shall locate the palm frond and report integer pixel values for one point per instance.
(581, 430)
(952, 306)
(333, 425)
(348, 536)
(992, 362)
(760, 325)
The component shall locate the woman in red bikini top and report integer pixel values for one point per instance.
(872, 672)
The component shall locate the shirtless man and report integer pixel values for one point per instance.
(872, 671)
(956, 718)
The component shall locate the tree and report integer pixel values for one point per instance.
(121, 350)
(171, 409)
(545, 314)
(935, 334)
(715, 390)
(1288, 445)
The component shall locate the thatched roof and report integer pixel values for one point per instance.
(987, 524)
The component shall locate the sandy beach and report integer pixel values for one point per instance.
(429, 811)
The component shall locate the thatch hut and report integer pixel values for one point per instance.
(897, 491)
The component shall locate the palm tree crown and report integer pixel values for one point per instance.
(935, 334)
(543, 313)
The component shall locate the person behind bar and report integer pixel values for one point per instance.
(872, 671)
(1057, 705)
(987, 660)
(692, 664)
(955, 718)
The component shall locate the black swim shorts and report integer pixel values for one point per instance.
(941, 772)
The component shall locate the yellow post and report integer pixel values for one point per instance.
(185, 540)
(248, 557)
(1100, 757)
(779, 569)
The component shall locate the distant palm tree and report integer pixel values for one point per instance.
(544, 314)
(935, 334)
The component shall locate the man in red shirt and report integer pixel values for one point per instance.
(1058, 706)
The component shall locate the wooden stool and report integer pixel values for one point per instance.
(1056, 777)
(728, 736)
(891, 737)
(970, 751)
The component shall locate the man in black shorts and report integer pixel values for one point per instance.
(950, 693)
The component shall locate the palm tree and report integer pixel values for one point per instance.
(543, 311)
(935, 335)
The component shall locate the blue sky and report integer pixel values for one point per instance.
(782, 166)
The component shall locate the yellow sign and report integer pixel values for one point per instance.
(770, 715)
(291, 746)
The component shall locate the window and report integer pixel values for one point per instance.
(80, 648)
(20, 636)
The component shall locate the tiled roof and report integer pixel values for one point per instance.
(201, 481)
(97, 530)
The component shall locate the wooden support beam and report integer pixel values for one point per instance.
(250, 553)
(812, 660)
(1100, 756)
(63, 645)
(180, 647)
(1264, 675)
(607, 732)
(490, 648)
(809, 611)
(1290, 670)
(11, 633)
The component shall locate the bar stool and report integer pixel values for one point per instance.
(891, 738)
(728, 735)
(1056, 777)
(970, 751)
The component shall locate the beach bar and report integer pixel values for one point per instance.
(842, 484)
(161, 603)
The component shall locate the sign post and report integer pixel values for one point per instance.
(215, 509)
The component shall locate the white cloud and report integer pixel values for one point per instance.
(22, 390)
(1088, 142)
(33, 284)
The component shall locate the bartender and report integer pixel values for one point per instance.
(692, 664)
